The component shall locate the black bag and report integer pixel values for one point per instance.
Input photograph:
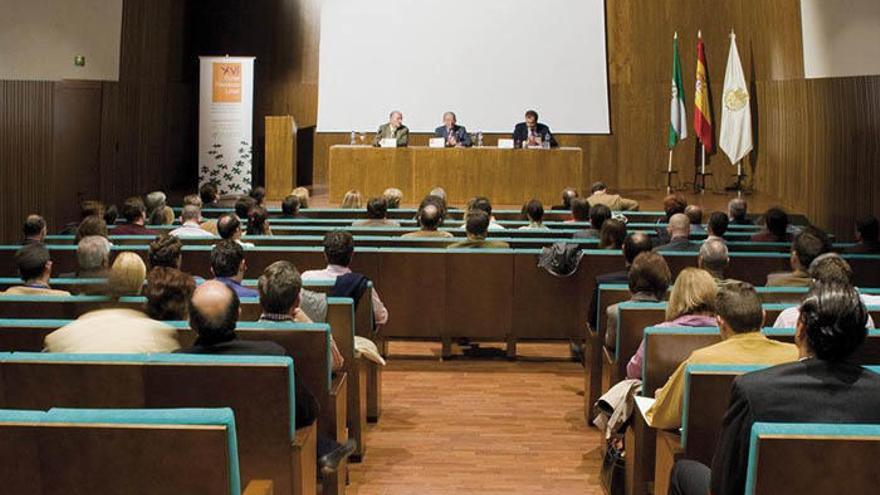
(613, 475)
(561, 259)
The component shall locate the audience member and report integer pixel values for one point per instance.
(737, 210)
(438, 192)
(807, 246)
(303, 195)
(823, 386)
(134, 212)
(679, 231)
(377, 215)
(714, 258)
(740, 319)
(633, 245)
(534, 213)
(393, 196)
(482, 203)
(111, 215)
(127, 275)
(229, 266)
(673, 204)
(258, 194)
(691, 304)
(209, 195)
(87, 208)
(157, 209)
(244, 205)
(193, 200)
(775, 227)
(92, 257)
(568, 194)
(600, 196)
(290, 207)
(351, 200)
(190, 228)
(168, 292)
(695, 215)
(598, 215)
(580, 211)
(612, 234)
(229, 227)
(430, 218)
(165, 252)
(867, 236)
(34, 230)
(258, 222)
(649, 279)
(477, 227)
(209, 226)
(717, 226)
(35, 269)
(91, 225)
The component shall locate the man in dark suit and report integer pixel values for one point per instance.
(455, 135)
(598, 215)
(532, 133)
(679, 230)
(634, 244)
(867, 236)
(808, 245)
(822, 387)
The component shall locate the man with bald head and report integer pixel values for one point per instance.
(34, 229)
(430, 217)
(679, 230)
(714, 259)
(393, 129)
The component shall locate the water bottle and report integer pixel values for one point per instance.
(545, 142)
(479, 139)
(353, 140)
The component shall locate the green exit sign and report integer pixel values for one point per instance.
(79, 61)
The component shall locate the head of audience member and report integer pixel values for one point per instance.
(649, 274)
(438, 201)
(34, 264)
(209, 194)
(477, 224)
(213, 312)
(534, 211)
(449, 119)
(673, 204)
(227, 260)
(438, 192)
(612, 234)
(807, 245)
(279, 287)
(91, 225)
(395, 118)
(290, 206)
(737, 210)
(568, 194)
(635, 244)
(531, 119)
(393, 196)
(598, 215)
(111, 214)
(194, 200)
(679, 226)
(191, 214)
(718, 223)
(832, 322)
(598, 188)
(831, 268)
(868, 230)
(168, 292)
(714, 257)
(155, 201)
(258, 222)
(229, 226)
(480, 203)
(580, 210)
(377, 209)
(127, 274)
(776, 222)
(134, 211)
(352, 200)
(157, 217)
(338, 247)
(694, 214)
(258, 194)
(165, 252)
(303, 195)
(91, 207)
(34, 228)
(738, 309)
(93, 256)
(430, 217)
(244, 205)
(692, 294)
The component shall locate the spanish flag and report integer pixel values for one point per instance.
(702, 117)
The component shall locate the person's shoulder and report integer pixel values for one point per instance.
(760, 380)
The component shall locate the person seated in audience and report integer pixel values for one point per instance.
(229, 227)
(613, 234)
(92, 257)
(351, 200)
(339, 251)
(568, 194)
(168, 291)
(430, 218)
(34, 230)
(534, 213)
(229, 266)
(695, 215)
(393, 196)
(673, 204)
(807, 246)
(157, 217)
(280, 288)
(209, 226)
(775, 227)
(258, 222)
(737, 211)
(714, 258)
(867, 236)
(111, 214)
(477, 227)
(165, 251)
(740, 319)
(823, 386)
(244, 205)
(127, 275)
(87, 208)
(290, 207)
(438, 192)
(454, 135)
(210, 196)
(35, 269)
(717, 226)
(648, 280)
(190, 227)
(532, 133)
(679, 231)
(134, 212)
(302, 194)
(633, 245)
(483, 204)
(193, 199)
(691, 304)
(393, 129)
(598, 215)
(600, 196)
(258, 194)
(91, 225)
(580, 211)
(377, 215)
(436, 197)
(157, 210)
(828, 268)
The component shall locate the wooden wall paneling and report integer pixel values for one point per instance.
(280, 156)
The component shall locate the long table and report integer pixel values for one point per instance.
(508, 176)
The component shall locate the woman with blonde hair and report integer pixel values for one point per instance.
(691, 304)
(127, 275)
(352, 200)
(302, 194)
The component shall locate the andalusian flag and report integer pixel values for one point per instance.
(702, 119)
(677, 112)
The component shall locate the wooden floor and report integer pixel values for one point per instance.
(480, 425)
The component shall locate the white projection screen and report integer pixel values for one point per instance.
(486, 60)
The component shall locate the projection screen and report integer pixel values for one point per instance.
(486, 60)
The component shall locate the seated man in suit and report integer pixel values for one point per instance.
(92, 259)
(808, 245)
(34, 229)
(867, 236)
(229, 266)
(775, 227)
(600, 196)
(580, 210)
(740, 319)
(477, 227)
(135, 214)
(430, 218)
(377, 215)
(714, 258)
(532, 133)
(822, 387)
(454, 134)
(35, 269)
(634, 244)
(598, 214)
(679, 231)
(717, 226)
(737, 211)
(695, 214)
(568, 194)
(394, 129)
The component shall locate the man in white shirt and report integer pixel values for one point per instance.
(482, 203)
(229, 227)
(190, 228)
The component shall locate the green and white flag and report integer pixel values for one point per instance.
(677, 113)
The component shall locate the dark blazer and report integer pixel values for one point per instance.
(809, 391)
(679, 244)
(521, 133)
(461, 134)
(306, 404)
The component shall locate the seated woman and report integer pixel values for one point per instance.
(649, 278)
(534, 213)
(258, 222)
(691, 304)
(612, 234)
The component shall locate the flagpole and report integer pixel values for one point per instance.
(669, 174)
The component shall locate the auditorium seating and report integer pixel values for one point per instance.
(132, 451)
